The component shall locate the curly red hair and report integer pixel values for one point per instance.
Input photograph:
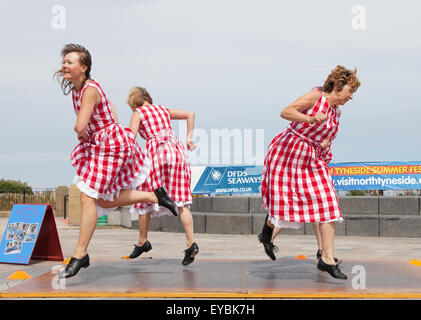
(339, 77)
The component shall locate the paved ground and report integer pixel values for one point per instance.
(227, 266)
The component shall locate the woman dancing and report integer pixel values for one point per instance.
(170, 166)
(297, 187)
(108, 161)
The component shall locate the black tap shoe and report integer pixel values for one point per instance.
(267, 231)
(333, 270)
(319, 255)
(269, 247)
(137, 251)
(190, 253)
(74, 266)
(165, 201)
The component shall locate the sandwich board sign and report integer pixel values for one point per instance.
(31, 234)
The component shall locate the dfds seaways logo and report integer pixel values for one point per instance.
(229, 180)
(215, 176)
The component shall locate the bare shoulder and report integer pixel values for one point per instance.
(136, 113)
(91, 93)
(310, 97)
(306, 101)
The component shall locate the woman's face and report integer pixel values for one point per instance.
(344, 95)
(71, 68)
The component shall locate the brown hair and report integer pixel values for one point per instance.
(339, 77)
(84, 59)
(137, 97)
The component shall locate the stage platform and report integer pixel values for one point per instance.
(228, 266)
(287, 277)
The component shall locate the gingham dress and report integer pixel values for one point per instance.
(296, 185)
(111, 159)
(170, 166)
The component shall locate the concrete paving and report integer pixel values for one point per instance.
(233, 266)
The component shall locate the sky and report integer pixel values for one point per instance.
(235, 63)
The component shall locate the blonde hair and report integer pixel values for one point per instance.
(339, 77)
(137, 97)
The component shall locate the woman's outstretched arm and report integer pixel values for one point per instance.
(189, 116)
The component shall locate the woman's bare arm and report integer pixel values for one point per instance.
(190, 117)
(90, 99)
(296, 110)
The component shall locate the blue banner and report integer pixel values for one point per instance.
(346, 176)
(376, 175)
(229, 180)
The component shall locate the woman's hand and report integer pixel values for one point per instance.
(325, 143)
(190, 144)
(82, 137)
(319, 117)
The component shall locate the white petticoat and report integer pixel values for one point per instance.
(295, 225)
(156, 211)
(84, 188)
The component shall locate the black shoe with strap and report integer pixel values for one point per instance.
(165, 201)
(267, 231)
(265, 238)
(269, 247)
(190, 254)
(319, 256)
(137, 251)
(74, 266)
(333, 270)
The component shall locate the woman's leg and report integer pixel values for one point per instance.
(88, 222)
(187, 221)
(316, 228)
(144, 221)
(327, 231)
(128, 197)
(276, 231)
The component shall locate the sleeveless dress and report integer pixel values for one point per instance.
(170, 166)
(296, 185)
(111, 159)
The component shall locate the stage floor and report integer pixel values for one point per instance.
(287, 277)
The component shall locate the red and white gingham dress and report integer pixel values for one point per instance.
(111, 159)
(170, 166)
(296, 185)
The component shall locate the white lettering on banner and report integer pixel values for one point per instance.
(237, 173)
(244, 180)
(233, 190)
(351, 181)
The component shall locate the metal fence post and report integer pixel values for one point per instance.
(65, 206)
